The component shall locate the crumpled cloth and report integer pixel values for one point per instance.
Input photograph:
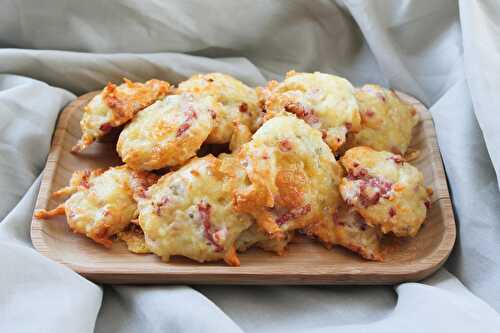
(443, 52)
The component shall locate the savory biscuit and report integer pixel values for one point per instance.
(387, 191)
(326, 102)
(235, 102)
(348, 229)
(168, 133)
(190, 213)
(386, 120)
(116, 105)
(102, 203)
(292, 176)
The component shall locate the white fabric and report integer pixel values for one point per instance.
(443, 52)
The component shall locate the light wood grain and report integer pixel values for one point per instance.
(305, 263)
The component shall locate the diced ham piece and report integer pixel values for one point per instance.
(303, 113)
(293, 214)
(285, 145)
(243, 107)
(183, 128)
(204, 210)
(106, 127)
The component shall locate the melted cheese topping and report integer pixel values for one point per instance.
(387, 191)
(326, 102)
(103, 203)
(235, 102)
(189, 212)
(292, 176)
(386, 120)
(115, 106)
(167, 133)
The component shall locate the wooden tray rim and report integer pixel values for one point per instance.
(414, 271)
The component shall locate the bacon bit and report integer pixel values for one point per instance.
(210, 80)
(413, 112)
(348, 126)
(427, 204)
(212, 113)
(243, 107)
(285, 145)
(357, 173)
(355, 164)
(398, 159)
(369, 113)
(305, 114)
(106, 127)
(367, 200)
(183, 128)
(392, 212)
(191, 114)
(395, 150)
(204, 209)
(293, 214)
(381, 188)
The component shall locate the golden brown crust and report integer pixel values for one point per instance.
(292, 176)
(326, 102)
(102, 203)
(189, 213)
(235, 102)
(168, 133)
(48, 214)
(115, 106)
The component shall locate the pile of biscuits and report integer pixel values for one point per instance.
(213, 167)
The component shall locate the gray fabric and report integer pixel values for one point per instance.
(443, 52)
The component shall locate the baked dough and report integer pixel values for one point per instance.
(235, 102)
(168, 133)
(102, 203)
(387, 121)
(326, 102)
(387, 191)
(292, 176)
(115, 106)
(190, 213)
(348, 229)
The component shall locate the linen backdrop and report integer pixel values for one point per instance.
(446, 53)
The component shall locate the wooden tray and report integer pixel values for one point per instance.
(305, 263)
